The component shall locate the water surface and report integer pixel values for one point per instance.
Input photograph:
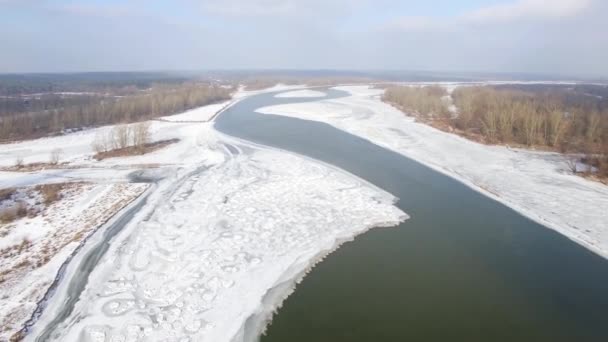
(463, 267)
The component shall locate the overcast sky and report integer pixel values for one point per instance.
(565, 37)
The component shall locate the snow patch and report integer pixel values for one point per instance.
(537, 184)
(203, 263)
(306, 93)
(32, 249)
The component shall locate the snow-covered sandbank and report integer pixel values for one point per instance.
(536, 184)
(200, 114)
(305, 93)
(203, 262)
(34, 248)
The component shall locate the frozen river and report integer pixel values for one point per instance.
(463, 267)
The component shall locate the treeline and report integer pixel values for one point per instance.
(19, 84)
(506, 116)
(263, 83)
(422, 101)
(160, 100)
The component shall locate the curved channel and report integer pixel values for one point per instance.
(463, 267)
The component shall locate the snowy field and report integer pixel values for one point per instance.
(32, 249)
(306, 93)
(202, 264)
(227, 229)
(537, 184)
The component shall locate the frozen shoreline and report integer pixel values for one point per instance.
(536, 184)
(200, 258)
(206, 257)
(305, 93)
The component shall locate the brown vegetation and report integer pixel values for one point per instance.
(510, 116)
(15, 211)
(127, 140)
(50, 192)
(6, 194)
(134, 150)
(51, 116)
(421, 101)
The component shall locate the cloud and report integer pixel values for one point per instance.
(253, 8)
(413, 23)
(535, 10)
(523, 9)
(98, 10)
(521, 35)
(250, 8)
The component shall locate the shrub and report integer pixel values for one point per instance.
(50, 192)
(11, 213)
(7, 193)
(19, 162)
(55, 156)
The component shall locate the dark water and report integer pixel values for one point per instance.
(463, 268)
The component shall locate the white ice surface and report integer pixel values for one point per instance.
(305, 93)
(201, 264)
(77, 216)
(201, 114)
(53, 234)
(278, 87)
(537, 184)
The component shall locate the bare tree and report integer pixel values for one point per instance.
(19, 162)
(557, 125)
(100, 143)
(572, 163)
(55, 156)
(141, 134)
(122, 136)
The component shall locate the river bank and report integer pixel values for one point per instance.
(537, 184)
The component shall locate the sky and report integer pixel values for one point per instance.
(557, 37)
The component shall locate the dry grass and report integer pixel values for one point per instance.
(33, 167)
(50, 192)
(7, 193)
(134, 150)
(13, 212)
(17, 337)
(68, 228)
(14, 250)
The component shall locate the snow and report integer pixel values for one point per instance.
(201, 114)
(204, 261)
(536, 184)
(76, 148)
(64, 226)
(276, 88)
(306, 93)
(32, 249)
(226, 224)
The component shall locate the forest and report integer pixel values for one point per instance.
(571, 120)
(36, 109)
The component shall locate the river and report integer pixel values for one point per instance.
(463, 268)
